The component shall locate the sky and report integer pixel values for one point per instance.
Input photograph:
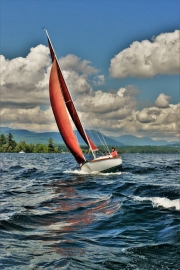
(120, 60)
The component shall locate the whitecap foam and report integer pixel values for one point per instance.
(75, 172)
(111, 173)
(157, 201)
(92, 173)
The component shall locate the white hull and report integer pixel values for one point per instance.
(103, 164)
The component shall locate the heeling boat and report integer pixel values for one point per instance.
(62, 104)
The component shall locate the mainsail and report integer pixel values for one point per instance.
(69, 102)
(61, 115)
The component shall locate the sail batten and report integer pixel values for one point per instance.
(69, 102)
(61, 115)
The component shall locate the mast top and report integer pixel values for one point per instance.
(44, 28)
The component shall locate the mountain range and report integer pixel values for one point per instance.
(97, 137)
(136, 141)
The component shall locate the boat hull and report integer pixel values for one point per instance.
(102, 165)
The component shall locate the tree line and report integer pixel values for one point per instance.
(9, 145)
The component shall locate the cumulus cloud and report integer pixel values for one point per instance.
(25, 70)
(148, 58)
(76, 83)
(110, 103)
(32, 119)
(99, 80)
(162, 101)
(22, 79)
(27, 116)
(165, 122)
(73, 63)
(25, 81)
(76, 72)
(117, 113)
(114, 113)
(147, 115)
(23, 95)
(25, 99)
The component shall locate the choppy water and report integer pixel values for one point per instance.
(54, 217)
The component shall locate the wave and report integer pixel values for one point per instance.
(16, 167)
(157, 201)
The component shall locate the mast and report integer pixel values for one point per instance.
(69, 101)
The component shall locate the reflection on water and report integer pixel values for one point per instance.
(67, 212)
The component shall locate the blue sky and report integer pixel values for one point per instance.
(94, 30)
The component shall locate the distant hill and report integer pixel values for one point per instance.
(30, 136)
(3, 129)
(42, 137)
(35, 137)
(135, 141)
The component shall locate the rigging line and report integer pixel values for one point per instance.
(104, 146)
(103, 143)
(95, 133)
(91, 135)
(104, 140)
(99, 137)
(93, 140)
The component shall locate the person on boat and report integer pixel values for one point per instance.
(114, 153)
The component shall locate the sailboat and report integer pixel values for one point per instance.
(62, 105)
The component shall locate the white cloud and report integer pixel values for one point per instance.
(108, 103)
(76, 83)
(146, 59)
(118, 114)
(72, 63)
(24, 89)
(146, 116)
(26, 70)
(113, 113)
(160, 122)
(32, 119)
(34, 115)
(23, 95)
(76, 72)
(162, 101)
(25, 81)
(99, 80)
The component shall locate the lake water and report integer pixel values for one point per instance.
(54, 217)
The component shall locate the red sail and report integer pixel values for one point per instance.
(61, 115)
(70, 105)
